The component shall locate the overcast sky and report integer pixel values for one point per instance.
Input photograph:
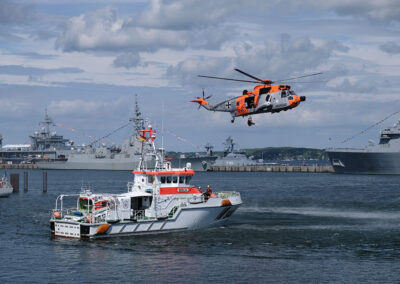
(85, 60)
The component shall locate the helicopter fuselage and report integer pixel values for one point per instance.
(263, 99)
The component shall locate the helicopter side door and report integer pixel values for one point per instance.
(241, 105)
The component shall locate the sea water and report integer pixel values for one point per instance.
(292, 227)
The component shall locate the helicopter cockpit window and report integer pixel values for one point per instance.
(290, 98)
(267, 98)
(264, 90)
(283, 94)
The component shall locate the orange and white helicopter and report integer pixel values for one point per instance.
(264, 98)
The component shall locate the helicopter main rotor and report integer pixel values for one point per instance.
(258, 80)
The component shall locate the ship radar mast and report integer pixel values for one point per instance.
(46, 123)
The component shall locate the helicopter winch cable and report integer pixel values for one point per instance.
(368, 128)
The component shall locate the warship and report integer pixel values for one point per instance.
(382, 158)
(45, 144)
(200, 162)
(124, 158)
(232, 157)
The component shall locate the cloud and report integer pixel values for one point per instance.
(188, 14)
(105, 30)
(16, 14)
(381, 11)
(390, 47)
(275, 59)
(33, 71)
(127, 60)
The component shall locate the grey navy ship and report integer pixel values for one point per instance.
(200, 162)
(233, 157)
(382, 158)
(45, 144)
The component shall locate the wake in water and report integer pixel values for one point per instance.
(324, 212)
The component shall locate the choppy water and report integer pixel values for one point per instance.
(292, 227)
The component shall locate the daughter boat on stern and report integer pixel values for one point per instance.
(158, 200)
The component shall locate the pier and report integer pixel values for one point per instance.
(18, 166)
(273, 168)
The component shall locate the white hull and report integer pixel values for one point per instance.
(184, 219)
(6, 190)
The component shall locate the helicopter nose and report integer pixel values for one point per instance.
(302, 98)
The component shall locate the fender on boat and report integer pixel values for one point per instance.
(102, 229)
(226, 202)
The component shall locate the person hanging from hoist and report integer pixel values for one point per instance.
(250, 121)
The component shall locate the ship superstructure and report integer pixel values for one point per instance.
(45, 144)
(90, 157)
(233, 157)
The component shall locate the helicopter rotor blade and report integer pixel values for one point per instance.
(248, 75)
(203, 93)
(206, 98)
(229, 79)
(308, 75)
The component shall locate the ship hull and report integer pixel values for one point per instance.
(198, 164)
(364, 162)
(186, 219)
(101, 165)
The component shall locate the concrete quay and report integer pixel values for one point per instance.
(18, 166)
(273, 168)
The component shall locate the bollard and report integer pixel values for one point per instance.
(25, 181)
(44, 181)
(14, 180)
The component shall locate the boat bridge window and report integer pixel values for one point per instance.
(150, 179)
(162, 179)
(187, 179)
(85, 205)
(181, 179)
(169, 179)
(175, 179)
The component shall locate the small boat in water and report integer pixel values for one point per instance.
(5, 187)
(158, 200)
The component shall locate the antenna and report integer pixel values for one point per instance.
(162, 131)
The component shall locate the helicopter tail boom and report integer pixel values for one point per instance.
(202, 103)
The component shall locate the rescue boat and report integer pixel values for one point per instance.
(157, 201)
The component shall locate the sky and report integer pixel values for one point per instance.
(85, 61)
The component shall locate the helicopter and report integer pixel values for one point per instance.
(264, 98)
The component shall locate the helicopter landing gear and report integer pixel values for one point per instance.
(250, 121)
